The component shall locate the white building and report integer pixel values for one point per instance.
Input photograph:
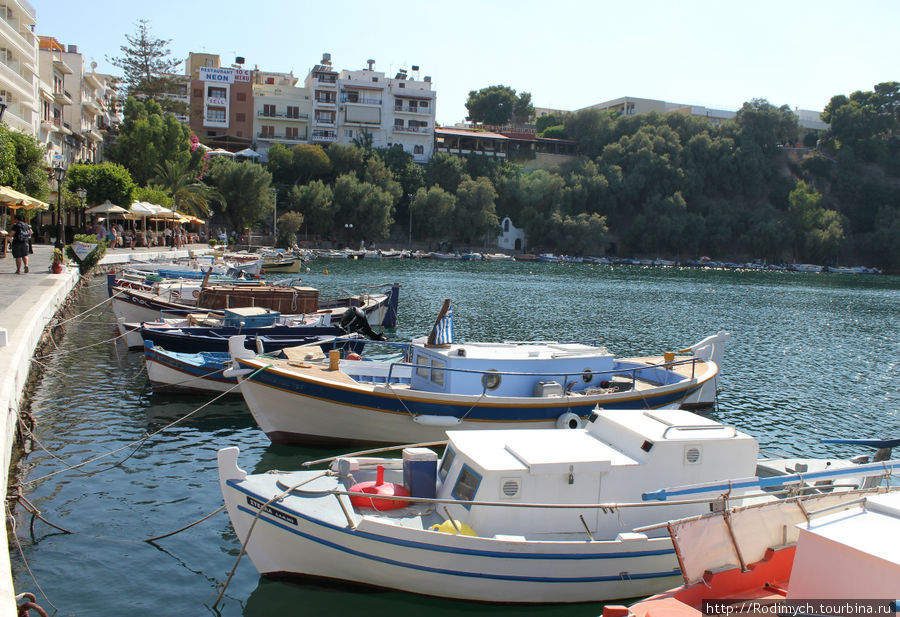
(19, 66)
(93, 107)
(281, 111)
(54, 132)
(393, 111)
(511, 238)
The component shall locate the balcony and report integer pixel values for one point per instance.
(61, 67)
(324, 136)
(62, 97)
(93, 81)
(325, 122)
(21, 40)
(91, 106)
(272, 137)
(360, 100)
(411, 129)
(328, 102)
(328, 81)
(20, 84)
(406, 109)
(280, 115)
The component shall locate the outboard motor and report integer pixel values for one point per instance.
(354, 320)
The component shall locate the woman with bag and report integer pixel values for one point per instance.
(21, 242)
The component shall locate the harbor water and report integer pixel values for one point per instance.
(812, 356)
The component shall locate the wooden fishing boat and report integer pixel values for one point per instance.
(440, 385)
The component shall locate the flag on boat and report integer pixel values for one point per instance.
(443, 329)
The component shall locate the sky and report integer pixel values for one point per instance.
(567, 54)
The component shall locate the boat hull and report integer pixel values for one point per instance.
(317, 406)
(173, 372)
(302, 536)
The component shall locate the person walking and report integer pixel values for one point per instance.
(21, 242)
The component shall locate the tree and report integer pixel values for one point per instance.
(188, 193)
(149, 72)
(288, 224)
(493, 105)
(476, 215)
(546, 121)
(152, 194)
(346, 159)
(367, 207)
(523, 110)
(433, 209)
(104, 181)
(245, 191)
(22, 164)
(299, 165)
(316, 202)
(148, 138)
(820, 231)
(445, 170)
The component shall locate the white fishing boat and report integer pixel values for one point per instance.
(536, 516)
(439, 385)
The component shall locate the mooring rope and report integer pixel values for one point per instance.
(83, 313)
(12, 522)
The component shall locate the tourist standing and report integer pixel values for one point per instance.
(21, 242)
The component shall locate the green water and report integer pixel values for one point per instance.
(811, 356)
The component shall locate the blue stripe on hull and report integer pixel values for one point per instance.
(482, 411)
(191, 369)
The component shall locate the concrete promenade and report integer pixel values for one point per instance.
(28, 303)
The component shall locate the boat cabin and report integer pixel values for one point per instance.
(620, 455)
(509, 369)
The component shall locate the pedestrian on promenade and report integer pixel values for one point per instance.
(21, 242)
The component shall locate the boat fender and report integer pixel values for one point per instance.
(353, 356)
(452, 526)
(568, 420)
(437, 420)
(236, 372)
(379, 487)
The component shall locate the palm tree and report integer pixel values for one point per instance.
(191, 195)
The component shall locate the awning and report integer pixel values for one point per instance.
(13, 199)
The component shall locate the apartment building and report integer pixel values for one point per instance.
(350, 103)
(221, 102)
(282, 111)
(19, 66)
(54, 132)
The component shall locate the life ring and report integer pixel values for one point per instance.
(379, 487)
(196, 293)
(568, 420)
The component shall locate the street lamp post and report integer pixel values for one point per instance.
(82, 193)
(275, 216)
(349, 228)
(59, 172)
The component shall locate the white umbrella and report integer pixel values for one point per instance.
(107, 207)
(248, 153)
(220, 152)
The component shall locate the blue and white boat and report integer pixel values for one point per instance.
(536, 516)
(440, 385)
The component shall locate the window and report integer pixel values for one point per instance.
(217, 115)
(240, 117)
(268, 110)
(418, 149)
(374, 79)
(466, 485)
(437, 372)
(422, 365)
(491, 379)
(217, 93)
(423, 104)
(447, 462)
(242, 96)
(402, 85)
(506, 225)
(210, 63)
(398, 123)
(198, 92)
(266, 131)
(293, 112)
(292, 132)
(348, 133)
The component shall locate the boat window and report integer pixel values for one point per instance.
(447, 463)
(587, 375)
(466, 485)
(437, 372)
(422, 365)
(491, 379)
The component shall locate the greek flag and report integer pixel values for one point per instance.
(443, 330)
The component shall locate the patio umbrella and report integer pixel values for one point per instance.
(247, 153)
(107, 207)
(220, 152)
(13, 199)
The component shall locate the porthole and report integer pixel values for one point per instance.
(490, 380)
(587, 375)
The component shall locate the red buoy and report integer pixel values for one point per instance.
(379, 487)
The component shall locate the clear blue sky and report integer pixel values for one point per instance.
(568, 54)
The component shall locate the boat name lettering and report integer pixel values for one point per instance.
(259, 505)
